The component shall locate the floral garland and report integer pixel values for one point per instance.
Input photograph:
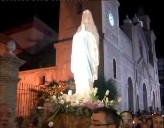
(57, 102)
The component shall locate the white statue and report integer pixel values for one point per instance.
(85, 55)
(11, 46)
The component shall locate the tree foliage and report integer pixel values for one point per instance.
(110, 84)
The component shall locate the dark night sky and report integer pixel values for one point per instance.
(153, 9)
(15, 13)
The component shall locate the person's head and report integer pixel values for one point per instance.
(135, 119)
(6, 116)
(158, 121)
(105, 118)
(127, 118)
(149, 122)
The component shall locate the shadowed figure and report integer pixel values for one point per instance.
(6, 116)
(85, 55)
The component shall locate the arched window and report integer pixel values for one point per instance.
(130, 94)
(136, 76)
(114, 68)
(145, 97)
(137, 103)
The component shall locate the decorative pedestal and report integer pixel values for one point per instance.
(70, 121)
(64, 120)
(9, 69)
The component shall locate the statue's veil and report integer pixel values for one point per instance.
(88, 22)
(90, 26)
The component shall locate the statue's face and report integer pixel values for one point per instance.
(86, 17)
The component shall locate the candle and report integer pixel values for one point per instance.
(133, 124)
(69, 92)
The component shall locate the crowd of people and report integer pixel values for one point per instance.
(142, 119)
(101, 118)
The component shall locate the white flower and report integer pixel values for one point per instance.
(77, 101)
(111, 101)
(107, 100)
(100, 103)
(54, 97)
(50, 124)
(119, 99)
(74, 104)
(60, 98)
(40, 107)
(95, 91)
(107, 92)
(73, 98)
(64, 97)
(69, 92)
(61, 102)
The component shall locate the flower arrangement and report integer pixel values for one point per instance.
(55, 101)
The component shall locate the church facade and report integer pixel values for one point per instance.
(130, 58)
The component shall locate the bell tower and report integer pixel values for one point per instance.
(110, 20)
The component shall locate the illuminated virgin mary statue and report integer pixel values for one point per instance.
(85, 55)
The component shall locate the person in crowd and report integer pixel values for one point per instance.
(144, 123)
(85, 55)
(136, 121)
(158, 121)
(149, 122)
(105, 118)
(127, 118)
(19, 121)
(6, 116)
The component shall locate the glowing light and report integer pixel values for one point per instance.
(70, 92)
